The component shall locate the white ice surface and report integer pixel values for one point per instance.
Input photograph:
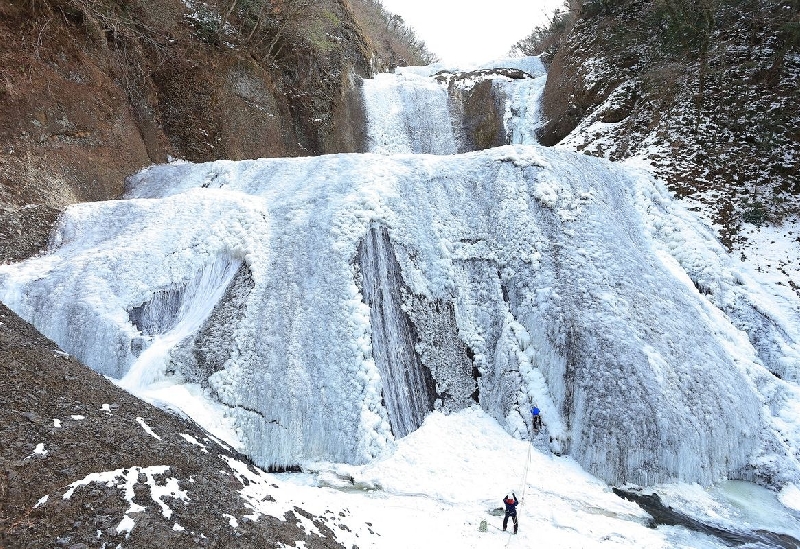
(414, 105)
(642, 378)
(575, 284)
(449, 475)
(790, 496)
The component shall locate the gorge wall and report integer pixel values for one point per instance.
(705, 91)
(92, 91)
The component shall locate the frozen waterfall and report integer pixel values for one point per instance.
(327, 304)
(425, 111)
(410, 116)
(408, 388)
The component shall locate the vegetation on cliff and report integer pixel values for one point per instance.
(705, 91)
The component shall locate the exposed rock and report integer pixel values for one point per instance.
(479, 106)
(706, 91)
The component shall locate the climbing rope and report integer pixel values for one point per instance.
(524, 481)
(527, 466)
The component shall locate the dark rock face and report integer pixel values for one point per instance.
(408, 387)
(483, 117)
(25, 230)
(415, 341)
(708, 91)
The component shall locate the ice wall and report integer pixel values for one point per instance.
(98, 298)
(535, 275)
(327, 304)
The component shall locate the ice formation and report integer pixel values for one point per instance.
(330, 303)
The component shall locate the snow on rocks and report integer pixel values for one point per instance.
(160, 487)
(147, 428)
(191, 440)
(231, 520)
(39, 451)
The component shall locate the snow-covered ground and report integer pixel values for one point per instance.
(452, 474)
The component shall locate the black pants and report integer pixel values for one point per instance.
(537, 422)
(514, 518)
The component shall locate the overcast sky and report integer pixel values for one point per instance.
(464, 31)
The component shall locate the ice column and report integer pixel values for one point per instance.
(408, 387)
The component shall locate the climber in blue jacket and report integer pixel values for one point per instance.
(511, 511)
(536, 418)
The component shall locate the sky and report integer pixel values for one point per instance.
(472, 32)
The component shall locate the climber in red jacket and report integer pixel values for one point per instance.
(511, 511)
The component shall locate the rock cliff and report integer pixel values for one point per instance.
(704, 91)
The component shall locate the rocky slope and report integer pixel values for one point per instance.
(706, 92)
(60, 423)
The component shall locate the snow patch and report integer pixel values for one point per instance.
(147, 428)
(39, 451)
(126, 479)
(191, 440)
(231, 520)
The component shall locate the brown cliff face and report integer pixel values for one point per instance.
(91, 91)
(707, 91)
(479, 106)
